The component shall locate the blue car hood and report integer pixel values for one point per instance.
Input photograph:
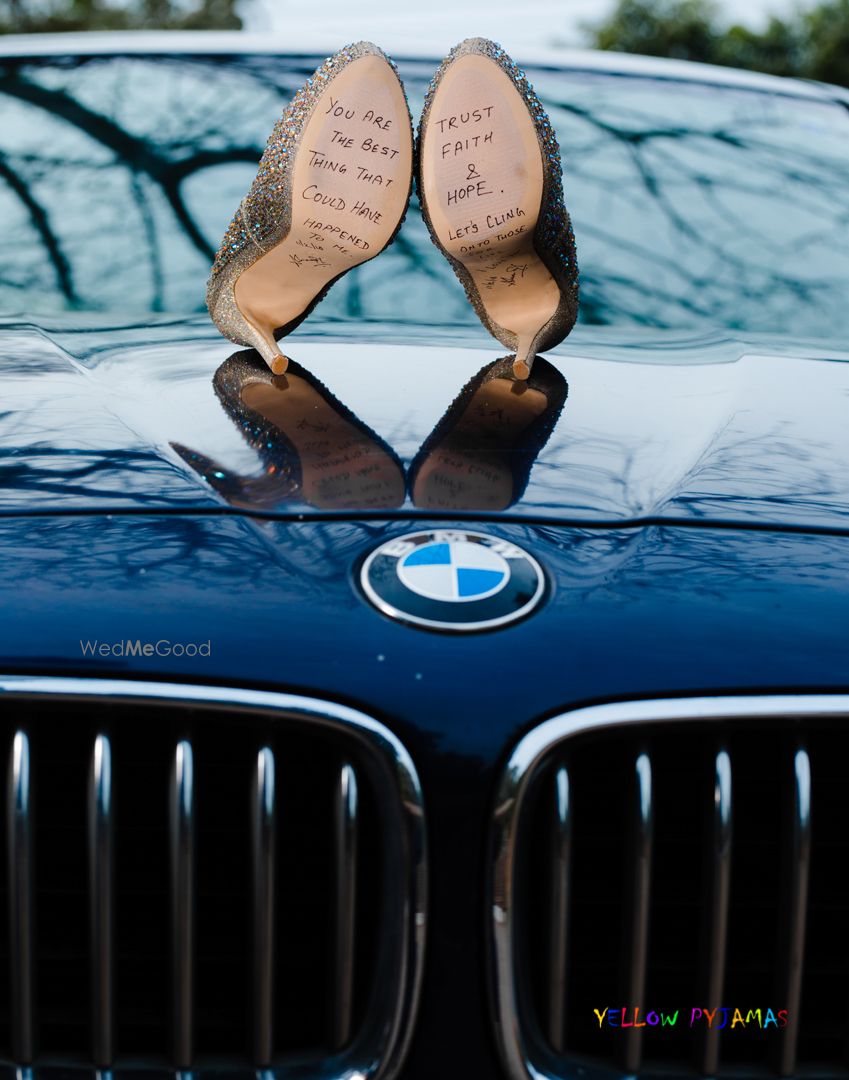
(643, 425)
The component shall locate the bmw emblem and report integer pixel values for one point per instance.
(450, 579)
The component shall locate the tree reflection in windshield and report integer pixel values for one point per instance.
(694, 205)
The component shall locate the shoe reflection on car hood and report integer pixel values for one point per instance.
(658, 426)
(313, 449)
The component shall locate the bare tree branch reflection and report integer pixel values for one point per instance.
(713, 206)
(75, 477)
(41, 223)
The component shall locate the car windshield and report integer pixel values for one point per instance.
(694, 204)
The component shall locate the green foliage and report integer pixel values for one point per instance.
(45, 16)
(827, 42)
(809, 44)
(682, 29)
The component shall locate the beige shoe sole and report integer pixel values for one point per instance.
(331, 192)
(489, 184)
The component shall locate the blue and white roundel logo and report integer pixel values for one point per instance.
(454, 570)
(452, 580)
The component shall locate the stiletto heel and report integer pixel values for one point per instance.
(524, 358)
(331, 192)
(490, 188)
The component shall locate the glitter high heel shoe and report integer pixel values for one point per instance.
(489, 183)
(331, 192)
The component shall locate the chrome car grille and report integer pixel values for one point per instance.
(184, 884)
(672, 856)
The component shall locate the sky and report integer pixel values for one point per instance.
(439, 24)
